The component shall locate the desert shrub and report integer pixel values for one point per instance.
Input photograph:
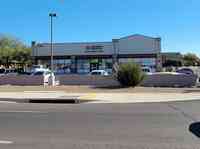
(129, 74)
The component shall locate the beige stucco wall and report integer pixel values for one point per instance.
(74, 49)
(135, 44)
(138, 45)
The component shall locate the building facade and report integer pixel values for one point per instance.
(87, 56)
(172, 59)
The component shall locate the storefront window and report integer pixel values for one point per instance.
(87, 65)
(141, 61)
(83, 66)
(62, 66)
(108, 65)
(45, 63)
(67, 66)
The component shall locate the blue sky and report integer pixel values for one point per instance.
(176, 21)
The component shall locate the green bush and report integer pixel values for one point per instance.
(129, 74)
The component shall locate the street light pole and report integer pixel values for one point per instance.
(52, 15)
(51, 21)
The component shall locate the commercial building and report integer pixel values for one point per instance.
(172, 59)
(87, 56)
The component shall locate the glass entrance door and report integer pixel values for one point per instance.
(94, 64)
(94, 67)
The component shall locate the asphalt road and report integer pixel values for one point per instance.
(100, 126)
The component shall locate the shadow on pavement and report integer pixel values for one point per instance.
(192, 91)
(195, 129)
(107, 87)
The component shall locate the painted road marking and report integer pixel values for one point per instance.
(44, 92)
(94, 102)
(5, 142)
(90, 96)
(23, 112)
(10, 102)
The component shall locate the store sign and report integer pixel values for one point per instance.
(94, 48)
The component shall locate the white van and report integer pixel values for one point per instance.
(99, 72)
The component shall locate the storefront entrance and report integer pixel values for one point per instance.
(85, 66)
(94, 64)
(94, 67)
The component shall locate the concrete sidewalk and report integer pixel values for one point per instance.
(64, 97)
(142, 97)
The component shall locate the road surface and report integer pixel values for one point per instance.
(99, 126)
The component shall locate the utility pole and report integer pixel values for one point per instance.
(52, 15)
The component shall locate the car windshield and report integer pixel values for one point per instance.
(145, 70)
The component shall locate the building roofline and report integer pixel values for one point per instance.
(139, 35)
(171, 53)
(45, 43)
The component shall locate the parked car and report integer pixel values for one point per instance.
(37, 68)
(14, 71)
(62, 71)
(186, 71)
(11, 72)
(21, 71)
(42, 72)
(99, 72)
(2, 71)
(147, 70)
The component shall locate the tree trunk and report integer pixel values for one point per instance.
(7, 62)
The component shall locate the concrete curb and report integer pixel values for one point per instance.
(69, 100)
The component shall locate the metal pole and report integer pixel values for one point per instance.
(52, 69)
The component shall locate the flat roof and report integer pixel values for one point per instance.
(134, 35)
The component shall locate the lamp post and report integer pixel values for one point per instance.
(52, 15)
